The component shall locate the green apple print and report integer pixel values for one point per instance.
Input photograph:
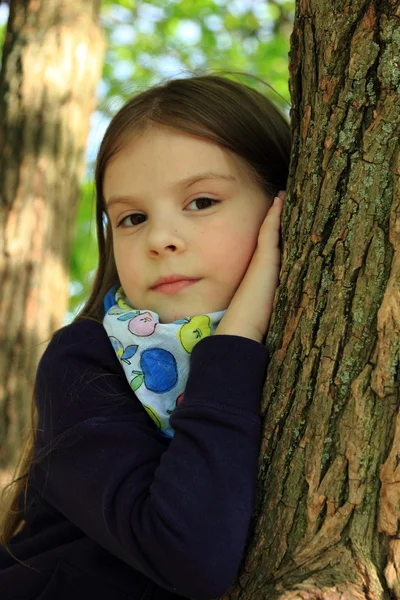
(123, 305)
(193, 331)
(154, 416)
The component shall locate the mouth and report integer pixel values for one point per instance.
(172, 284)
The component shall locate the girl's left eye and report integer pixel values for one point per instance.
(203, 203)
(132, 220)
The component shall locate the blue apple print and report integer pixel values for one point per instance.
(159, 370)
(124, 354)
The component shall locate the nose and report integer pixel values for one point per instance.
(164, 238)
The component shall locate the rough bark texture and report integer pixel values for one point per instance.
(52, 60)
(328, 509)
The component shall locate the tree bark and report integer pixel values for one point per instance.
(328, 505)
(52, 59)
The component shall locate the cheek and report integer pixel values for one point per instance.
(232, 251)
(127, 265)
(119, 259)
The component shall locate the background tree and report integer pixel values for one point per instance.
(52, 57)
(328, 509)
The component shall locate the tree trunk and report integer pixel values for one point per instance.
(52, 59)
(328, 504)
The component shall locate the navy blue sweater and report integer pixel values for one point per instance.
(116, 511)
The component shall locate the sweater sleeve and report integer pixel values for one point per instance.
(176, 510)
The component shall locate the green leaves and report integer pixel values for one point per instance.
(177, 37)
(84, 253)
(136, 382)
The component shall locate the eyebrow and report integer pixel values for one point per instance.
(185, 183)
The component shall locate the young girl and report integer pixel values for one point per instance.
(143, 465)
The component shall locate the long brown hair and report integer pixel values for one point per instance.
(213, 107)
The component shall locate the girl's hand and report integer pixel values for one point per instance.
(250, 309)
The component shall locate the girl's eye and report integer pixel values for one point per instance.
(203, 203)
(132, 220)
(135, 219)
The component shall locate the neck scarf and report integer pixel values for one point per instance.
(155, 356)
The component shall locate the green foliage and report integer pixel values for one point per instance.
(4, 11)
(160, 39)
(84, 253)
(148, 41)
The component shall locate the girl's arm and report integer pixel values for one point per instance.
(178, 511)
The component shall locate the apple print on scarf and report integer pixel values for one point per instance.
(141, 324)
(159, 370)
(124, 354)
(194, 329)
(153, 414)
(177, 402)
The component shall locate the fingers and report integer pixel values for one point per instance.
(281, 196)
(276, 207)
(269, 234)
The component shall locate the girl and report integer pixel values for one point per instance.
(140, 480)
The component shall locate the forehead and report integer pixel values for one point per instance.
(163, 154)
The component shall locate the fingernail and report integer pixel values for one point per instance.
(276, 200)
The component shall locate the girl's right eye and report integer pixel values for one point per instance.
(134, 219)
(203, 203)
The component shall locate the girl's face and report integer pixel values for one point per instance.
(181, 206)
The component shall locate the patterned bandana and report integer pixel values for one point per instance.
(155, 356)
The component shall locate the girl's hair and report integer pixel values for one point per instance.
(213, 107)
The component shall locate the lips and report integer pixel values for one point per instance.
(171, 279)
(172, 284)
